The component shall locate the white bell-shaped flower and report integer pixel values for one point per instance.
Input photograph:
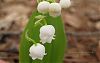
(65, 3)
(43, 7)
(54, 9)
(37, 51)
(47, 33)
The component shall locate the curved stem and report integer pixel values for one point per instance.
(28, 38)
(41, 24)
(41, 18)
(38, 21)
(45, 22)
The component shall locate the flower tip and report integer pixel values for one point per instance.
(40, 58)
(53, 38)
(45, 53)
(33, 58)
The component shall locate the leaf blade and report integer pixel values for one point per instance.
(55, 50)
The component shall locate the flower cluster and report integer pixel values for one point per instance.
(47, 32)
(54, 8)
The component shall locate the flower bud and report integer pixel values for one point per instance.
(65, 3)
(54, 9)
(47, 33)
(37, 51)
(43, 7)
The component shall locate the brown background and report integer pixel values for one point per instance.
(82, 25)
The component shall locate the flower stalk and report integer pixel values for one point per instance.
(29, 39)
(40, 19)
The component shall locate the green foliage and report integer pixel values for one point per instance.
(54, 50)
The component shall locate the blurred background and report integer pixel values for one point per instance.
(82, 28)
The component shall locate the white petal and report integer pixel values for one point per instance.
(54, 14)
(43, 7)
(49, 40)
(37, 51)
(65, 3)
(46, 33)
(54, 9)
(40, 58)
(45, 53)
(43, 42)
(53, 38)
(33, 58)
(47, 30)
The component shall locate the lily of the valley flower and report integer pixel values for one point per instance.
(47, 33)
(43, 7)
(37, 51)
(54, 9)
(65, 3)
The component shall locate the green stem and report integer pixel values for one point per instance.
(41, 24)
(52, 1)
(45, 22)
(28, 38)
(41, 18)
(38, 21)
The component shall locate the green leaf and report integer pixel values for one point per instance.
(55, 50)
